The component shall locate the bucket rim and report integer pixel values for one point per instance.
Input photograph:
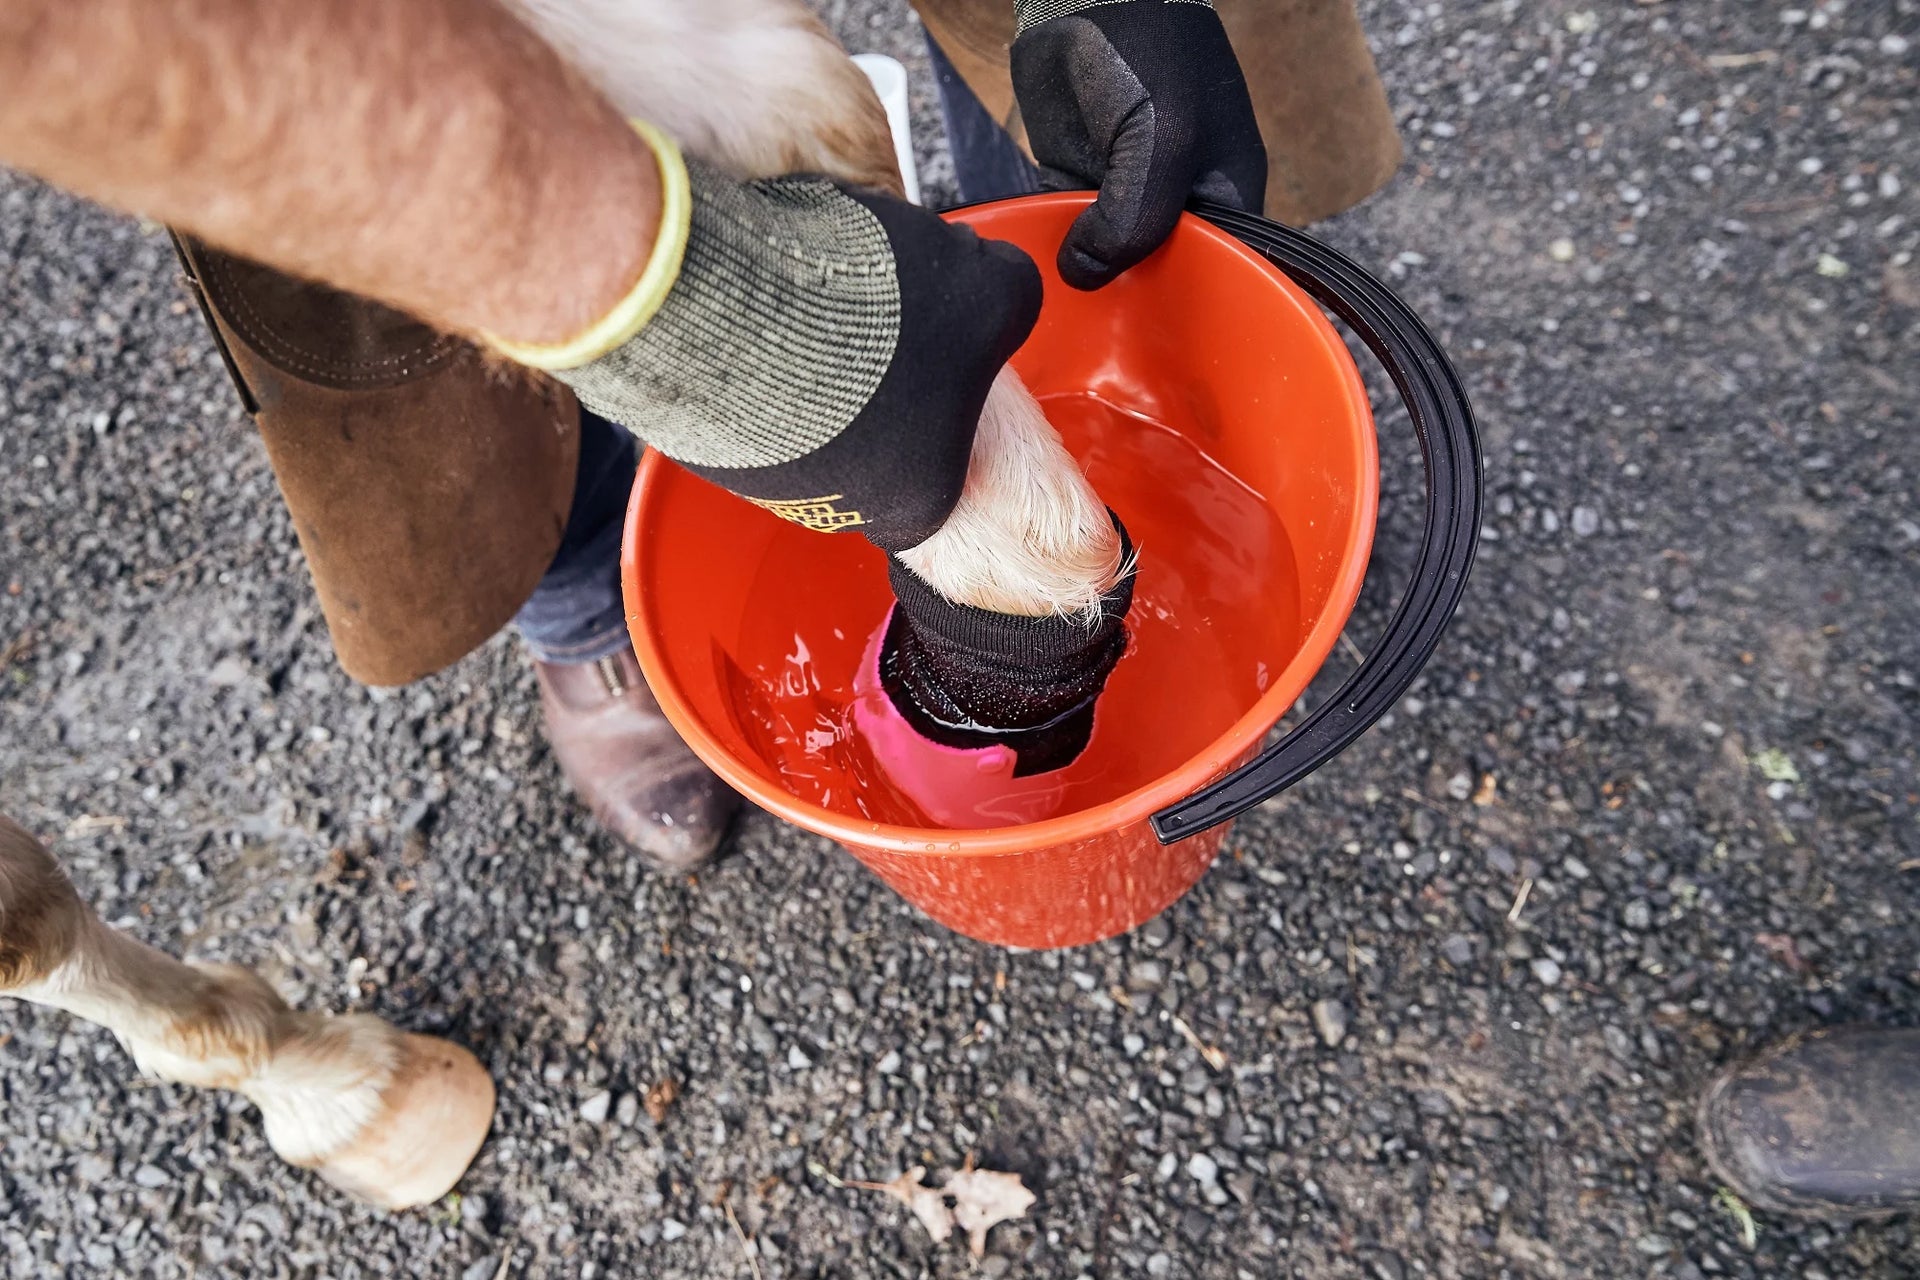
(1137, 806)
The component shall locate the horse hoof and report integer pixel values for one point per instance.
(432, 1118)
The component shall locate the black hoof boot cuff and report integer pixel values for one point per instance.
(966, 677)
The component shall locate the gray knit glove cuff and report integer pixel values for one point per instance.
(1029, 13)
(784, 320)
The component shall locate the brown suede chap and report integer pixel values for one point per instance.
(429, 485)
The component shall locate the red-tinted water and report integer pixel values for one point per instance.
(1215, 614)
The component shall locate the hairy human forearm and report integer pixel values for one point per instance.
(433, 154)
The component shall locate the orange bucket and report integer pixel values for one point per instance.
(1217, 335)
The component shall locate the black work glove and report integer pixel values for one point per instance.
(824, 351)
(1143, 99)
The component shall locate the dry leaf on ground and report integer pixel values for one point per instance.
(982, 1197)
(929, 1204)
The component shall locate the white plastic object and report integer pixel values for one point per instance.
(890, 82)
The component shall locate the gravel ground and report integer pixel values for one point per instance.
(1671, 246)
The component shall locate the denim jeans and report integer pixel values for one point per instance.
(987, 163)
(576, 614)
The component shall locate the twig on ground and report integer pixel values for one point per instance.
(746, 1245)
(1520, 900)
(1733, 61)
(1215, 1057)
(1417, 798)
(155, 577)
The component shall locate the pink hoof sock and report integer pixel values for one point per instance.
(959, 787)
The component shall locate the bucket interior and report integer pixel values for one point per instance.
(1215, 410)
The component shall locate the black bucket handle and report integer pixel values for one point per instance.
(1450, 448)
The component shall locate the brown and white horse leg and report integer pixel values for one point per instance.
(391, 1118)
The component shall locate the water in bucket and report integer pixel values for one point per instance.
(1215, 614)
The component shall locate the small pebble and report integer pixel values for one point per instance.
(594, 1110)
(1146, 975)
(1330, 1019)
(1547, 971)
(1387, 1266)
(1203, 1169)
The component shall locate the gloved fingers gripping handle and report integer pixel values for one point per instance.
(1144, 100)
(1140, 200)
(825, 352)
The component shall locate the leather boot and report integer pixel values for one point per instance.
(629, 765)
(1824, 1125)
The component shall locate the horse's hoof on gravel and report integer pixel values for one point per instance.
(432, 1119)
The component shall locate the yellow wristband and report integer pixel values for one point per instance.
(631, 313)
